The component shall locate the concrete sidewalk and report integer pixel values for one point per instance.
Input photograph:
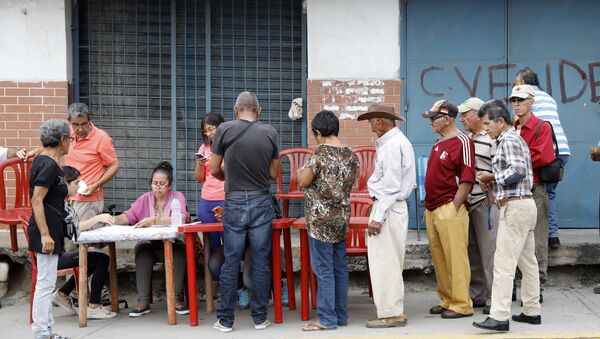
(579, 247)
(566, 313)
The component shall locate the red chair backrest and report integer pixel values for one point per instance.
(20, 169)
(366, 159)
(359, 207)
(296, 157)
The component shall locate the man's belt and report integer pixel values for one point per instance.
(505, 201)
(253, 192)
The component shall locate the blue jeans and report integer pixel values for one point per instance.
(328, 261)
(553, 207)
(206, 215)
(246, 216)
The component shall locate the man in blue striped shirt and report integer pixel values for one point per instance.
(544, 107)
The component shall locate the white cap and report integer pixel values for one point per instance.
(522, 91)
(469, 104)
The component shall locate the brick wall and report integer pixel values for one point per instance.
(23, 107)
(348, 99)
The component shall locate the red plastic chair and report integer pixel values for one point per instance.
(60, 273)
(366, 159)
(21, 208)
(356, 246)
(296, 157)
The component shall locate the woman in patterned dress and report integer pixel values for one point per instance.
(328, 177)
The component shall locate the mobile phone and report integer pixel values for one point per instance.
(200, 156)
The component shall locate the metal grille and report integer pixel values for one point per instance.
(134, 57)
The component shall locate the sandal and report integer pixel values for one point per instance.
(316, 326)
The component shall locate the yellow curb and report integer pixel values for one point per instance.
(583, 335)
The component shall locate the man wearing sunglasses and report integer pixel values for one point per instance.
(449, 179)
(542, 153)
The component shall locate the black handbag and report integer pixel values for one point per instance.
(553, 172)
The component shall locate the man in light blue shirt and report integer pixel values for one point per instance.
(544, 107)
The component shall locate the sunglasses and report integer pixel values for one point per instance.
(432, 119)
(513, 100)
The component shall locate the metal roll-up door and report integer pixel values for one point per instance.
(141, 78)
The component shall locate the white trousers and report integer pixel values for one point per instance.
(386, 261)
(42, 302)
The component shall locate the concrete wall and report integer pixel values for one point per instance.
(353, 62)
(353, 39)
(33, 40)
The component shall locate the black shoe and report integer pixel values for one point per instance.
(530, 319)
(554, 243)
(135, 313)
(493, 325)
(486, 310)
(478, 304)
(182, 310)
(437, 309)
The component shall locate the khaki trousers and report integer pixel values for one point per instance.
(515, 246)
(386, 261)
(448, 233)
(482, 245)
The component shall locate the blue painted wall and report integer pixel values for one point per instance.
(465, 48)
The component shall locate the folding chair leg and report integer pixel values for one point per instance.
(13, 238)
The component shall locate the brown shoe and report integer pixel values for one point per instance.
(397, 321)
(450, 314)
(437, 309)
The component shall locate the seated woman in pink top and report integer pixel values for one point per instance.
(154, 208)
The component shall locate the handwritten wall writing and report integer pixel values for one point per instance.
(570, 91)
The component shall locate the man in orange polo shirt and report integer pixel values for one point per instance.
(93, 154)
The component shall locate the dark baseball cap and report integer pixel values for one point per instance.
(441, 107)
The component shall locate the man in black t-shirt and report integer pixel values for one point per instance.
(250, 155)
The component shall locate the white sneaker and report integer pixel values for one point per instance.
(63, 302)
(218, 326)
(99, 313)
(262, 325)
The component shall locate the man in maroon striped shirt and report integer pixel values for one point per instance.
(448, 181)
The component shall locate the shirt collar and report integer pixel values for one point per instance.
(387, 136)
(504, 133)
(531, 122)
